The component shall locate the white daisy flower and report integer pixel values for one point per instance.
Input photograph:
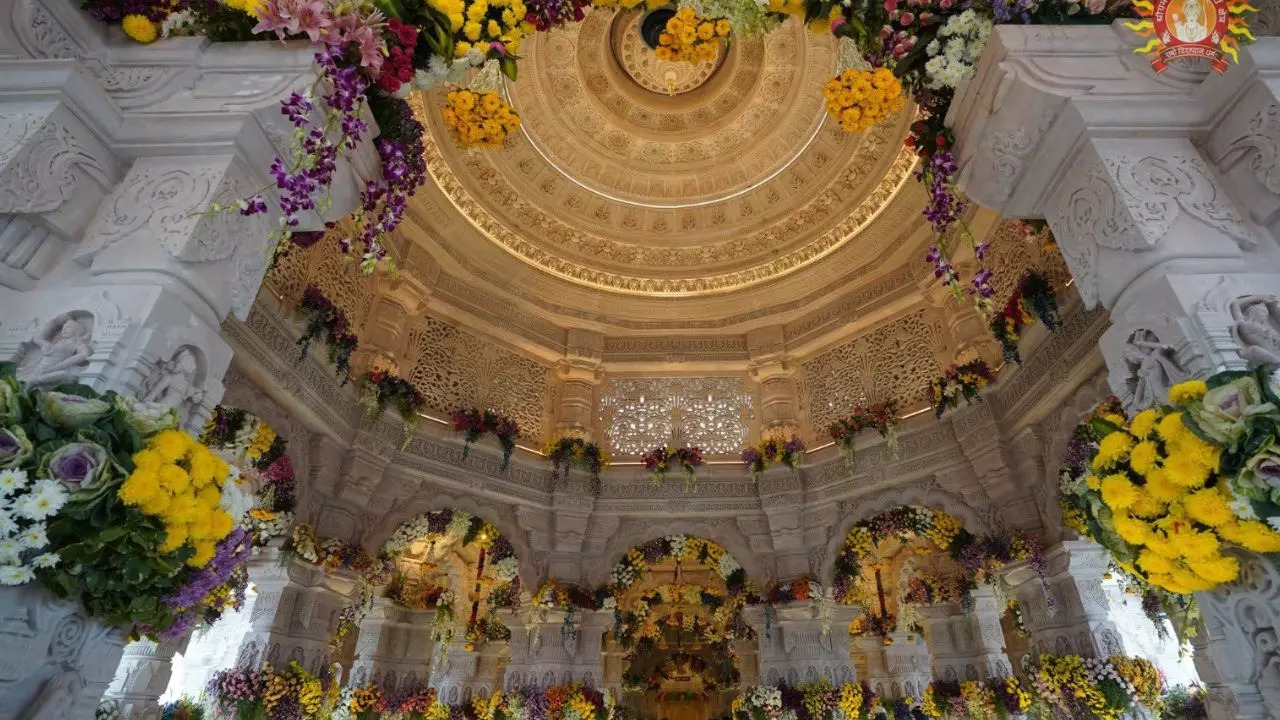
(34, 537)
(10, 550)
(16, 575)
(36, 506)
(7, 524)
(46, 560)
(12, 480)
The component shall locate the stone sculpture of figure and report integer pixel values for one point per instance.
(62, 349)
(56, 697)
(1257, 329)
(1153, 369)
(173, 383)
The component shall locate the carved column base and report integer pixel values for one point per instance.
(797, 646)
(1239, 641)
(57, 661)
(394, 647)
(967, 645)
(1078, 622)
(907, 661)
(142, 677)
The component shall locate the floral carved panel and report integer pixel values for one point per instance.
(711, 413)
(322, 265)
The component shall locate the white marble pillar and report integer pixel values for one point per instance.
(142, 677)
(798, 646)
(549, 647)
(967, 645)
(1163, 194)
(394, 646)
(907, 664)
(869, 650)
(1074, 618)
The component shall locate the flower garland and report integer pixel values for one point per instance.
(960, 381)
(333, 554)
(379, 388)
(1165, 491)
(324, 319)
(773, 450)
(184, 708)
(271, 694)
(567, 452)
(639, 626)
(474, 423)
(260, 455)
(976, 700)
(479, 118)
(107, 502)
(1093, 689)
(881, 416)
(680, 548)
(1031, 300)
(372, 701)
(860, 99)
(658, 462)
(811, 701)
(689, 38)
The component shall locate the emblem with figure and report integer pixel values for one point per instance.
(1181, 29)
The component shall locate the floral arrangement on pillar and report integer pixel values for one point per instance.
(773, 450)
(474, 423)
(689, 38)
(333, 555)
(1032, 300)
(261, 456)
(810, 701)
(682, 549)
(976, 699)
(108, 503)
(659, 460)
(327, 321)
(372, 701)
(555, 595)
(1090, 688)
(184, 708)
(483, 629)
(379, 388)
(881, 416)
(567, 452)
(271, 694)
(1167, 491)
(965, 380)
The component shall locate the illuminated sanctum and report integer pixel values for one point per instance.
(676, 360)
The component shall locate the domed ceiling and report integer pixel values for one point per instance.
(642, 195)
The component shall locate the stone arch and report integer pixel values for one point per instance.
(424, 502)
(934, 498)
(724, 533)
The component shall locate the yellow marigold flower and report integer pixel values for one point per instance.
(205, 550)
(174, 479)
(1112, 449)
(1162, 546)
(1144, 422)
(494, 29)
(1171, 428)
(461, 49)
(1117, 492)
(1251, 535)
(183, 508)
(172, 444)
(1217, 570)
(148, 459)
(1196, 544)
(1147, 506)
(472, 30)
(174, 538)
(1093, 483)
(1143, 457)
(1161, 488)
(139, 28)
(220, 524)
(157, 504)
(200, 527)
(1208, 507)
(1183, 469)
(1154, 563)
(139, 487)
(1202, 452)
(1185, 392)
(1132, 530)
(723, 28)
(1190, 580)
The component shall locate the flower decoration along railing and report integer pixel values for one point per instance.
(960, 381)
(266, 692)
(881, 417)
(1031, 300)
(659, 461)
(327, 321)
(380, 389)
(474, 423)
(774, 450)
(570, 452)
(265, 470)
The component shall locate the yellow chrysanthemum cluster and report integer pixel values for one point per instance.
(479, 118)
(179, 480)
(1066, 677)
(860, 99)
(978, 698)
(1140, 673)
(261, 443)
(787, 7)
(630, 4)
(477, 23)
(689, 38)
(139, 28)
(367, 697)
(249, 7)
(1014, 688)
(944, 530)
(1167, 499)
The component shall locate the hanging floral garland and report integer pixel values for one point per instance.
(881, 417)
(1032, 299)
(474, 423)
(379, 388)
(327, 321)
(261, 457)
(680, 548)
(569, 452)
(638, 625)
(773, 450)
(960, 381)
(658, 462)
(554, 595)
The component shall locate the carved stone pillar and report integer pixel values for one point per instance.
(907, 663)
(571, 505)
(967, 645)
(869, 650)
(385, 334)
(142, 677)
(394, 646)
(1078, 621)
(295, 614)
(797, 645)
(550, 647)
(579, 373)
(772, 369)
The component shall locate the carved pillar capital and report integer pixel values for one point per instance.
(773, 369)
(579, 373)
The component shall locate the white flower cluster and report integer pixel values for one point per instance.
(264, 530)
(1098, 670)
(457, 527)
(677, 543)
(954, 53)
(24, 508)
(455, 71)
(728, 566)
(764, 698)
(623, 574)
(506, 569)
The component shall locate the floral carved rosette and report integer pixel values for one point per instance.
(1169, 490)
(106, 502)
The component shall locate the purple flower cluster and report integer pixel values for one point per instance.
(1013, 11)
(944, 206)
(942, 268)
(384, 201)
(154, 10)
(546, 14)
(654, 550)
(231, 554)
